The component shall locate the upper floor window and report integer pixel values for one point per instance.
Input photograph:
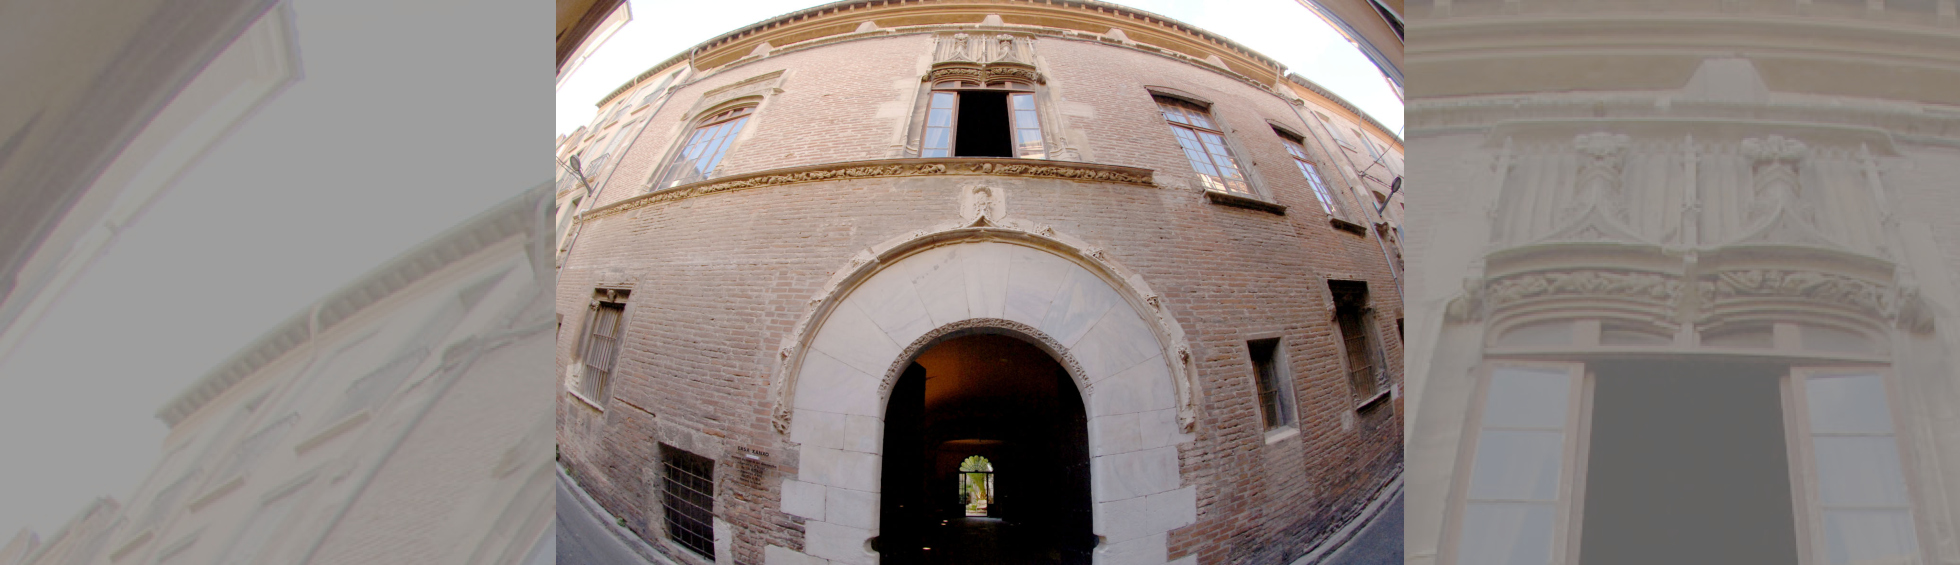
(1333, 207)
(972, 119)
(703, 152)
(1204, 144)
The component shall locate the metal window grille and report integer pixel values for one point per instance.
(688, 499)
(1349, 313)
(601, 348)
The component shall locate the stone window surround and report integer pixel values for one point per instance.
(1571, 504)
(1372, 331)
(601, 293)
(1284, 378)
(760, 91)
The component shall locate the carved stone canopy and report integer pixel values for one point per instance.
(983, 59)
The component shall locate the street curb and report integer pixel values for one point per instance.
(1341, 537)
(626, 536)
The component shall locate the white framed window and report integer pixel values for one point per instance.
(972, 119)
(1854, 500)
(1518, 504)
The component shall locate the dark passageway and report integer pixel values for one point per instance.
(1000, 400)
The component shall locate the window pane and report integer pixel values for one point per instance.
(1200, 119)
(1848, 404)
(1515, 465)
(940, 117)
(1172, 113)
(939, 142)
(720, 149)
(1026, 119)
(942, 99)
(1022, 101)
(1522, 397)
(1860, 471)
(1859, 537)
(1496, 533)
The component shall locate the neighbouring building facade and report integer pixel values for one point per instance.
(1683, 283)
(391, 422)
(1009, 281)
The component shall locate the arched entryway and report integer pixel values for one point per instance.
(986, 458)
(1114, 359)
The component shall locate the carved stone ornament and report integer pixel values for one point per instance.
(865, 264)
(1599, 171)
(982, 205)
(963, 57)
(888, 168)
(1872, 299)
(1774, 161)
(1586, 283)
(1469, 306)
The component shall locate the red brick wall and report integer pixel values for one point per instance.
(722, 278)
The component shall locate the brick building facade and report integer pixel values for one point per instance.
(784, 312)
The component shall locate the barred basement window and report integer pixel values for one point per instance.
(688, 498)
(703, 152)
(1203, 141)
(602, 334)
(1275, 398)
(970, 119)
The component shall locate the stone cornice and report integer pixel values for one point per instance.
(799, 25)
(1905, 120)
(885, 168)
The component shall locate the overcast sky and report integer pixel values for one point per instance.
(1281, 29)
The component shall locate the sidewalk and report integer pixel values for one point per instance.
(1373, 539)
(587, 535)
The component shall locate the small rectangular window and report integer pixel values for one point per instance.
(602, 343)
(687, 497)
(1275, 402)
(1203, 142)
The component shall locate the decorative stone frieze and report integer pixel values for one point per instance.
(884, 169)
(1591, 283)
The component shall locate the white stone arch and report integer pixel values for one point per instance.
(1126, 355)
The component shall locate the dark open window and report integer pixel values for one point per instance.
(687, 496)
(1274, 399)
(970, 119)
(1364, 365)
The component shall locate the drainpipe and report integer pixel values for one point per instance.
(1387, 257)
(592, 195)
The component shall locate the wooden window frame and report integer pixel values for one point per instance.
(1310, 170)
(1567, 522)
(670, 174)
(1218, 183)
(1370, 337)
(1804, 474)
(955, 87)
